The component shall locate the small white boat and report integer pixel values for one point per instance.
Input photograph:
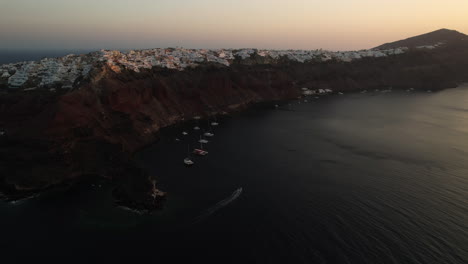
(184, 133)
(188, 162)
(197, 117)
(208, 134)
(340, 93)
(215, 122)
(196, 128)
(202, 140)
(177, 139)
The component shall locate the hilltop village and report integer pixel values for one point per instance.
(180, 58)
(67, 72)
(64, 72)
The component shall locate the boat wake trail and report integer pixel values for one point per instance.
(218, 206)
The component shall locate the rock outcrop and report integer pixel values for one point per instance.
(428, 40)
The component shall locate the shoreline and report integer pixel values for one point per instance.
(170, 132)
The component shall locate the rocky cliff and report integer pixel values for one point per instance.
(56, 137)
(431, 39)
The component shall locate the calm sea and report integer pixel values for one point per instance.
(12, 56)
(356, 178)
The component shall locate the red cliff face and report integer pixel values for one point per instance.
(128, 109)
(93, 130)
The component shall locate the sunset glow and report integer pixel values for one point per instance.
(294, 24)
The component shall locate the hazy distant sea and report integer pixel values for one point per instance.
(12, 56)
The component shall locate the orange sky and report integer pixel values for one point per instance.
(293, 24)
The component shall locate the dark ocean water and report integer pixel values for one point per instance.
(357, 178)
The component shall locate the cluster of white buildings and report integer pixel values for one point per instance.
(165, 58)
(431, 46)
(181, 58)
(64, 72)
(49, 72)
(307, 91)
(324, 55)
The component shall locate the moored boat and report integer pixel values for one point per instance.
(203, 141)
(188, 160)
(208, 134)
(200, 151)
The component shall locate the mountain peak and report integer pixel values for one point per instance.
(432, 38)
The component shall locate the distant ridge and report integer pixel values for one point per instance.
(432, 38)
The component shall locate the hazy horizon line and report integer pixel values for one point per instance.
(85, 49)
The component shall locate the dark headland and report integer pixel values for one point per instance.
(432, 38)
(66, 119)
